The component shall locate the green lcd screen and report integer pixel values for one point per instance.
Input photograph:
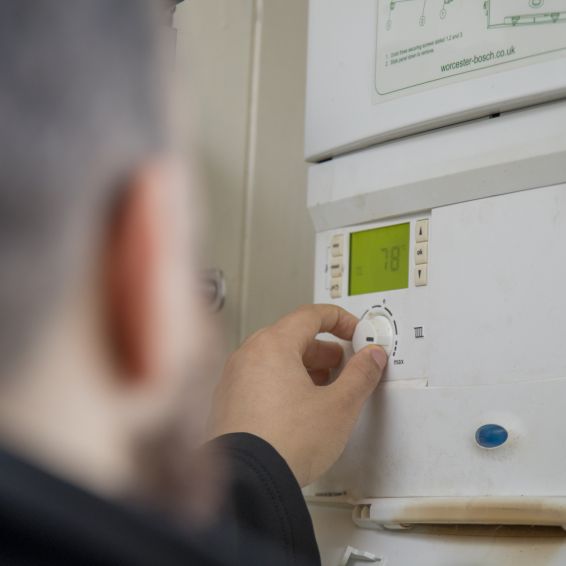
(379, 259)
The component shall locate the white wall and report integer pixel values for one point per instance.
(246, 63)
(214, 49)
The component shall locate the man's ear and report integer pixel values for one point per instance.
(132, 276)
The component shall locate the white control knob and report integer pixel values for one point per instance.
(374, 329)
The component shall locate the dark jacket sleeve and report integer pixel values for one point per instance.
(266, 498)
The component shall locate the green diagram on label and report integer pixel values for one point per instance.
(420, 42)
(513, 13)
(500, 13)
(422, 13)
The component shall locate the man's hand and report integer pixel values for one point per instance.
(273, 387)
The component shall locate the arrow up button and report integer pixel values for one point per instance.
(421, 231)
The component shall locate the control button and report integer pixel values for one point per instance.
(336, 287)
(336, 267)
(374, 329)
(491, 436)
(421, 275)
(337, 245)
(421, 253)
(421, 231)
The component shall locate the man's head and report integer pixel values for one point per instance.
(96, 287)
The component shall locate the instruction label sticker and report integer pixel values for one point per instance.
(420, 42)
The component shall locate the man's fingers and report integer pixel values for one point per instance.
(360, 376)
(322, 355)
(306, 322)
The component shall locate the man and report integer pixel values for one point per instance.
(101, 322)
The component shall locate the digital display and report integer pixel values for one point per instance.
(379, 259)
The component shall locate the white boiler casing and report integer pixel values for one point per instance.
(482, 341)
(436, 129)
(382, 69)
(479, 342)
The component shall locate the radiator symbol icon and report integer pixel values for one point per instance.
(419, 332)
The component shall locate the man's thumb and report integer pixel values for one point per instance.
(361, 374)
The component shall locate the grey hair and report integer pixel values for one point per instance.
(80, 106)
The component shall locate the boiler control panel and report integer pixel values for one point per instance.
(466, 299)
(381, 272)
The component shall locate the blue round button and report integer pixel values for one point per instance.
(491, 436)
